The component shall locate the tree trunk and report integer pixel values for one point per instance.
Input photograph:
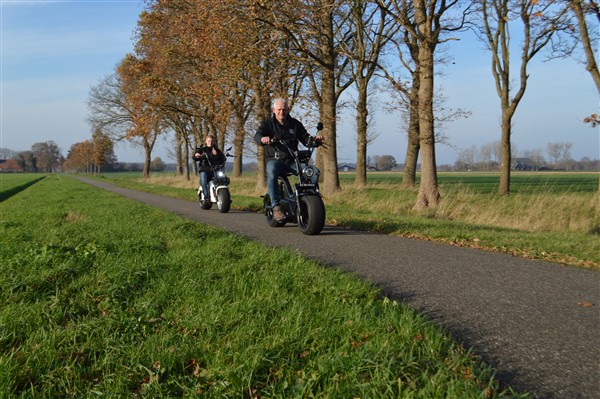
(179, 153)
(147, 160)
(148, 143)
(362, 113)
(331, 181)
(428, 188)
(409, 176)
(221, 139)
(504, 187)
(263, 111)
(238, 148)
(591, 65)
(187, 163)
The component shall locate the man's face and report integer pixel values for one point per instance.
(209, 142)
(280, 110)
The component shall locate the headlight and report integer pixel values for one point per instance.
(310, 171)
(220, 173)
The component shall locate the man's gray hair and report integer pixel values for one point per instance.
(279, 100)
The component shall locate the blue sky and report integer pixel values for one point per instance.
(52, 52)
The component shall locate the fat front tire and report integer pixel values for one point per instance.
(311, 215)
(223, 200)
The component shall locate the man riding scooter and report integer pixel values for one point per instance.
(280, 126)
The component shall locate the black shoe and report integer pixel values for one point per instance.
(278, 213)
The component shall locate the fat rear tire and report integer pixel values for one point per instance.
(311, 215)
(203, 205)
(269, 214)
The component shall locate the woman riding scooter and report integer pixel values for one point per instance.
(206, 155)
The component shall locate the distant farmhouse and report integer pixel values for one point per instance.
(347, 167)
(526, 164)
(351, 167)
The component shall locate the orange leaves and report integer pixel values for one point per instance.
(593, 120)
(356, 343)
(195, 367)
(585, 304)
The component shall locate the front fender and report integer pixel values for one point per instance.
(307, 189)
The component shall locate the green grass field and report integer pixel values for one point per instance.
(105, 297)
(12, 183)
(487, 183)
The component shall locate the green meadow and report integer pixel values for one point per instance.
(12, 183)
(106, 297)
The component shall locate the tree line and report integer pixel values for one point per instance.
(42, 157)
(203, 67)
(487, 157)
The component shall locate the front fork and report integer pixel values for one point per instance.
(213, 192)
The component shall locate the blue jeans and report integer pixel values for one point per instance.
(275, 169)
(205, 177)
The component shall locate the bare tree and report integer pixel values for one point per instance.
(425, 25)
(404, 81)
(108, 111)
(559, 153)
(372, 30)
(586, 13)
(7, 153)
(485, 155)
(468, 157)
(536, 156)
(427, 21)
(539, 22)
(554, 152)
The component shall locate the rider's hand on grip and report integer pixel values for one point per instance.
(317, 141)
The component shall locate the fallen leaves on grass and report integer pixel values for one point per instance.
(585, 304)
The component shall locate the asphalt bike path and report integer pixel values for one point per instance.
(536, 323)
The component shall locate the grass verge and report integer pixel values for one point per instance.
(12, 183)
(102, 296)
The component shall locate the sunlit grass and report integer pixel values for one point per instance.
(12, 183)
(103, 296)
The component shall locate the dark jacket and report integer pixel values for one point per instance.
(291, 132)
(206, 155)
